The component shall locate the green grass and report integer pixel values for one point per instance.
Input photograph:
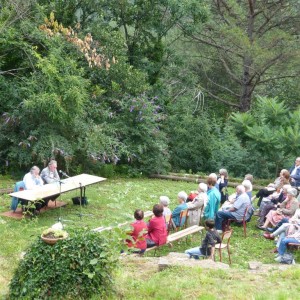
(114, 201)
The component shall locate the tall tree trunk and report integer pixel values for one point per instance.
(246, 90)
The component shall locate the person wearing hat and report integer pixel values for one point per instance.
(284, 210)
(197, 205)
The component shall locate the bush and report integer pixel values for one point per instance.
(75, 268)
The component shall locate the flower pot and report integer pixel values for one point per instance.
(51, 241)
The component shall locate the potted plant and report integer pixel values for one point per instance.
(51, 235)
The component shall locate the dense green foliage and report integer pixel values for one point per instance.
(149, 85)
(78, 267)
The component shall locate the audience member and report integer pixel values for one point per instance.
(165, 201)
(214, 199)
(271, 202)
(157, 232)
(32, 179)
(195, 207)
(222, 182)
(237, 210)
(138, 234)
(286, 209)
(295, 173)
(283, 228)
(182, 196)
(250, 178)
(50, 174)
(248, 187)
(214, 177)
(207, 247)
(293, 237)
(283, 179)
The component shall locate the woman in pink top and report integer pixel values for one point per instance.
(157, 232)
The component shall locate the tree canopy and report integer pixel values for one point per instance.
(149, 86)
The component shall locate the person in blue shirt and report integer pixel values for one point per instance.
(214, 199)
(182, 196)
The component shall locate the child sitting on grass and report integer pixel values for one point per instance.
(207, 247)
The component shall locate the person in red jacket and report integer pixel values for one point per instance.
(157, 232)
(138, 234)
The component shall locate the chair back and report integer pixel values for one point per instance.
(246, 212)
(183, 215)
(168, 220)
(226, 236)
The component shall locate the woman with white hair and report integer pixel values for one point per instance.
(197, 205)
(165, 201)
(182, 196)
(285, 210)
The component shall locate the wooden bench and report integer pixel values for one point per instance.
(178, 235)
(147, 214)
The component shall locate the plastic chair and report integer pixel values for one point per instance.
(183, 214)
(224, 244)
(243, 220)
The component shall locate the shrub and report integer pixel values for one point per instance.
(76, 268)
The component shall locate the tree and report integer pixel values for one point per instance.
(251, 43)
(272, 130)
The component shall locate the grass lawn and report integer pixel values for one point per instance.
(114, 201)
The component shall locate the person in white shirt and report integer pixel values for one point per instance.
(33, 179)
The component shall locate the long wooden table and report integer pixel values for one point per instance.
(59, 187)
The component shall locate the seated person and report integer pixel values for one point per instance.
(157, 232)
(138, 234)
(248, 187)
(222, 182)
(284, 227)
(283, 179)
(271, 202)
(182, 196)
(214, 177)
(165, 201)
(50, 174)
(214, 198)
(207, 247)
(250, 178)
(286, 209)
(237, 210)
(32, 180)
(295, 173)
(293, 237)
(196, 205)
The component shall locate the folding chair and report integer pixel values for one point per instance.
(243, 220)
(183, 214)
(224, 244)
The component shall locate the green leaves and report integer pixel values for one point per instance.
(78, 267)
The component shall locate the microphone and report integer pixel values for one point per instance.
(63, 173)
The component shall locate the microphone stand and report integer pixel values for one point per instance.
(82, 196)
